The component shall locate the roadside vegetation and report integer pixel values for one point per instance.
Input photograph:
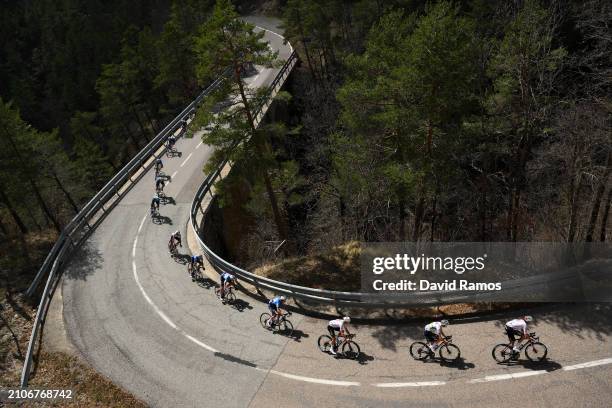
(438, 121)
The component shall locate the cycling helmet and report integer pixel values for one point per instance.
(282, 298)
(347, 319)
(158, 160)
(528, 318)
(444, 322)
(177, 233)
(231, 277)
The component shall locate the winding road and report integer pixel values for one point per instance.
(136, 316)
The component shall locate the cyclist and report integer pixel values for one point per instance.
(159, 184)
(194, 262)
(340, 326)
(158, 166)
(227, 280)
(154, 204)
(434, 334)
(171, 142)
(275, 306)
(175, 239)
(183, 125)
(517, 328)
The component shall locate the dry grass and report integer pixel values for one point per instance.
(60, 370)
(336, 269)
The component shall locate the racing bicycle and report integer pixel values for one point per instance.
(346, 345)
(230, 296)
(280, 325)
(534, 350)
(195, 270)
(447, 351)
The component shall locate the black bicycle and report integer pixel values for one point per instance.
(172, 152)
(172, 247)
(280, 325)
(348, 347)
(195, 270)
(446, 350)
(229, 296)
(534, 350)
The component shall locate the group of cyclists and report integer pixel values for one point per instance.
(160, 179)
(516, 330)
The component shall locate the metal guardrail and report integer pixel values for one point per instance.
(92, 213)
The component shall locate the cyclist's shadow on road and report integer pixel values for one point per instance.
(297, 335)
(183, 259)
(206, 283)
(459, 364)
(168, 200)
(241, 305)
(546, 365)
(162, 219)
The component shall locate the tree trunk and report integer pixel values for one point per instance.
(143, 131)
(280, 225)
(68, 197)
(418, 215)
(433, 216)
(598, 196)
(571, 233)
(4, 198)
(402, 219)
(606, 214)
(39, 198)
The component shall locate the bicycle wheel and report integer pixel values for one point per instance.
(419, 350)
(324, 343)
(230, 297)
(502, 353)
(536, 351)
(351, 350)
(449, 352)
(263, 319)
(285, 327)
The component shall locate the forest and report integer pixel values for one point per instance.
(405, 120)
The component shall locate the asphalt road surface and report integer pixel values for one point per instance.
(134, 313)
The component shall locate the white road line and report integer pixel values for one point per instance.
(588, 364)
(188, 157)
(173, 174)
(507, 376)
(199, 144)
(316, 380)
(409, 384)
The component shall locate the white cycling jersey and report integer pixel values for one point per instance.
(433, 327)
(337, 324)
(518, 325)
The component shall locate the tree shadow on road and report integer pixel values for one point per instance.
(84, 261)
(390, 336)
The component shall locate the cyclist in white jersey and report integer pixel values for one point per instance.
(434, 333)
(339, 326)
(517, 328)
